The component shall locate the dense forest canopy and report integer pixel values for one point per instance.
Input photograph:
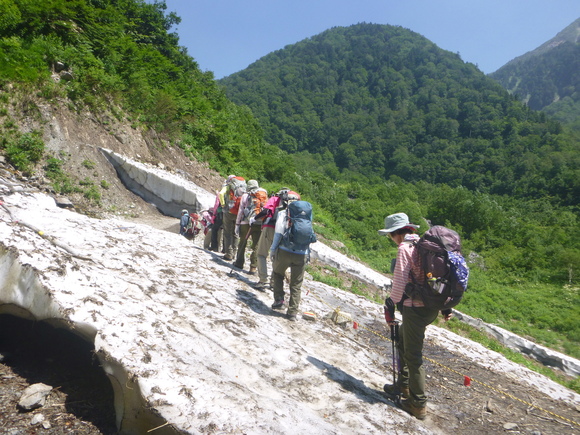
(363, 121)
(384, 101)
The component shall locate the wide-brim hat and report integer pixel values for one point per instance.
(252, 185)
(395, 222)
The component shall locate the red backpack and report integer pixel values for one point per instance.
(237, 187)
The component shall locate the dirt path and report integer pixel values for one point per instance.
(493, 403)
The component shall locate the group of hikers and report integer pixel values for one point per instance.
(280, 228)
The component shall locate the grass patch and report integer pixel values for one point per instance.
(334, 278)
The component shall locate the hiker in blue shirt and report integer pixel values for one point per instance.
(183, 222)
(286, 254)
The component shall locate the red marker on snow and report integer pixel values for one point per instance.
(466, 381)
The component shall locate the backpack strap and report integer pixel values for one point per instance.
(413, 278)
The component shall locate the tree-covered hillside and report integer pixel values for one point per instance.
(384, 101)
(548, 78)
(120, 56)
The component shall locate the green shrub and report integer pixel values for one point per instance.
(25, 151)
(61, 183)
(88, 164)
(86, 182)
(93, 194)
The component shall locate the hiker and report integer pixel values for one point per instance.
(268, 217)
(216, 228)
(230, 197)
(291, 249)
(251, 203)
(207, 219)
(183, 222)
(194, 226)
(416, 317)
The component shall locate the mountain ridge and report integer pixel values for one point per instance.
(570, 33)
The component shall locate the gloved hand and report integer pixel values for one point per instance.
(447, 314)
(237, 230)
(272, 256)
(252, 220)
(389, 311)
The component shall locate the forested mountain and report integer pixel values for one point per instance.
(384, 101)
(548, 78)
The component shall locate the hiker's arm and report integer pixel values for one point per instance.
(262, 213)
(222, 194)
(401, 273)
(280, 227)
(240, 215)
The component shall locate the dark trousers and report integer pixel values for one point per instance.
(255, 232)
(411, 337)
(215, 231)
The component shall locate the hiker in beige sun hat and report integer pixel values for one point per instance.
(395, 222)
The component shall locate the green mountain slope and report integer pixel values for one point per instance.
(548, 78)
(384, 101)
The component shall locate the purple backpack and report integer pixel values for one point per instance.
(445, 272)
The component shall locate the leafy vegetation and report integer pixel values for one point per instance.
(362, 121)
(385, 102)
(107, 54)
(23, 151)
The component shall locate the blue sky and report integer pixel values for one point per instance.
(225, 36)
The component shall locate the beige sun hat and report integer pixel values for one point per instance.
(252, 185)
(395, 222)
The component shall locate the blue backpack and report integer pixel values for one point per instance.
(299, 234)
(445, 272)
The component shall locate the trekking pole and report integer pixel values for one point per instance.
(389, 310)
(248, 234)
(395, 356)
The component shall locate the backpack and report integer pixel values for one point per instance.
(299, 234)
(237, 189)
(193, 226)
(446, 273)
(256, 202)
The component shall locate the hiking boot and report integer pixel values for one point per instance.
(292, 317)
(227, 257)
(419, 412)
(252, 270)
(278, 304)
(238, 266)
(395, 390)
(261, 286)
